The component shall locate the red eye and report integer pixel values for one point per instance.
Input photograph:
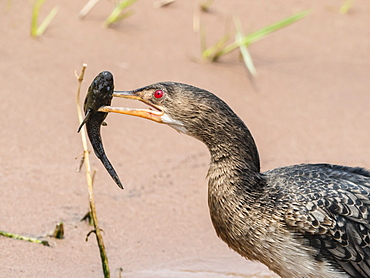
(158, 94)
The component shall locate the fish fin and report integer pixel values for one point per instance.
(87, 116)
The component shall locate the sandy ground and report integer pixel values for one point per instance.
(309, 103)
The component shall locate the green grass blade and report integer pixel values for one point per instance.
(273, 27)
(211, 52)
(116, 14)
(247, 58)
(20, 237)
(35, 30)
(47, 21)
(346, 6)
(35, 16)
(251, 38)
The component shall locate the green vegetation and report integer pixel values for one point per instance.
(221, 48)
(118, 14)
(39, 30)
(20, 237)
(346, 6)
(247, 58)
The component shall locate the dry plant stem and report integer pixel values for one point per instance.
(162, 3)
(89, 178)
(87, 8)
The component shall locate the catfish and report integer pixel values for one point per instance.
(100, 93)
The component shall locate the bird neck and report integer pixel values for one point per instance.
(234, 180)
(235, 161)
(234, 154)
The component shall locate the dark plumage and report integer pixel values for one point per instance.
(308, 220)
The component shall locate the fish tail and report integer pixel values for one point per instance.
(95, 139)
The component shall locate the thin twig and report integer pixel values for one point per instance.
(90, 179)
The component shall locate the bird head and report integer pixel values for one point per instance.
(195, 112)
(186, 108)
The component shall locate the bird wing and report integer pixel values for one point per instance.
(330, 206)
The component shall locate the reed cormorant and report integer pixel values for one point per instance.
(302, 221)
